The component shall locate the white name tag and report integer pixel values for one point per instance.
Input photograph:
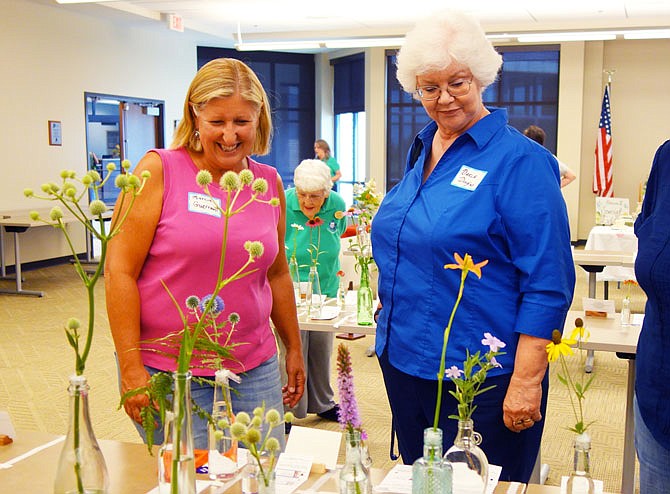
(203, 204)
(468, 178)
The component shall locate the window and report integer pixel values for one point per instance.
(288, 79)
(527, 87)
(349, 109)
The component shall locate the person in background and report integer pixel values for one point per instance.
(538, 135)
(169, 237)
(312, 205)
(322, 151)
(652, 374)
(465, 190)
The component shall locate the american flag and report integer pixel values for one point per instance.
(602, 174)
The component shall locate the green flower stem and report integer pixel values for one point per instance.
(571, 387)
(77, 451)
(176, 430)
(447, 331)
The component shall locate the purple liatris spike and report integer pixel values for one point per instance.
(348, 413)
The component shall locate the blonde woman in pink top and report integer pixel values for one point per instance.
(170, 236)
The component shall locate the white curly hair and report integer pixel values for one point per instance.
(434, 43)
(312, 176)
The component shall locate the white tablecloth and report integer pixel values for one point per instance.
(616, 239)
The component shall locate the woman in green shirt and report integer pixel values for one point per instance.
(310, 220)
(322, 151)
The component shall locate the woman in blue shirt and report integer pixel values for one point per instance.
(474, 185)
(652, 377)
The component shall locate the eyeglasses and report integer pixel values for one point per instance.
(459, 87)
(313, 197)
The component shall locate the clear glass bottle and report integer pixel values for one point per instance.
(257, 480)
(364, 301)
(314, 298)
(222, 456)
(354, 475)
(295, 278)
(580, 480)
(165, 455)
(468, 461)
(431, 474)
(81, 466)
(182, 464)
(625, 312)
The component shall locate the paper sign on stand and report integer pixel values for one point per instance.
(320, 445)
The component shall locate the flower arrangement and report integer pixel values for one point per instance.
(314, 224)
(475, 366)
(558, 350)
(353, 475)
(367, 200)
(249, 431)
(70, 194)
(348, 415)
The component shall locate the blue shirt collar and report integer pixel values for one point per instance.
(481, 132)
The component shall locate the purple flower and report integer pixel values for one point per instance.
(453, 372)
(492, 342)
(348, 414)
(495, 363)
(217, 305)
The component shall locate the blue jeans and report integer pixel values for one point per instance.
(654, 459)
(258, 385)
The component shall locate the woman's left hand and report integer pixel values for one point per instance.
(295, 386)
(521, 408)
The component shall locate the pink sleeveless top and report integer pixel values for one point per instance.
(185, 255)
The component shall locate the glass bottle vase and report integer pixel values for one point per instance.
(314, 298)
(182, 462)
(222, 455)
(468, 461)
(294, 271)
(354, 475)
(431, 474)
(580, 480)
(625, 312)
(364, 313)
(259, 475)
(81, 466)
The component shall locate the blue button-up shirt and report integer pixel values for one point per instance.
(493, 194)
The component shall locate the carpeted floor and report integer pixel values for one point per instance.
(35, 362)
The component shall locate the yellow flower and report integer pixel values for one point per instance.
(580, 333)
(467, 264)
(558, 346)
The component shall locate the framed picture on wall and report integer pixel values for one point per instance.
(55, 134)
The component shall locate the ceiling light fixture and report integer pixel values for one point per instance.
(647, 34)
(317, 44)
(566, 36)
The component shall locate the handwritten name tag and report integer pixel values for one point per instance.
(202, 204)
(468, 178)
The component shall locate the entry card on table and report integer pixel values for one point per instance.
(598, 308)
(320, 445)
(399, 480)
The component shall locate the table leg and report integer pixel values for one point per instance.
(628, 469)
(17, 263)
(590, 354)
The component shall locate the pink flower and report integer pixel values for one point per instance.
(492, 342)
(348, 416)
(453, 372)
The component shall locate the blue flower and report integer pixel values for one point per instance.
(217, 305)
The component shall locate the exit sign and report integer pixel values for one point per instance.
(175, 22)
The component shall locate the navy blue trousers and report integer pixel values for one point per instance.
(412, 401)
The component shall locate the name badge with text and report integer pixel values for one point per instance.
(203, 204)
(468, 178)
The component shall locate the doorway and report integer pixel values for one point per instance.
(119, 128)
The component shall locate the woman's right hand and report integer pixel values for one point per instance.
(130, 380)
